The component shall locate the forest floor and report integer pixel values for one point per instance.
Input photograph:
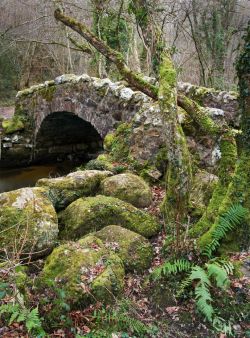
(177, 319)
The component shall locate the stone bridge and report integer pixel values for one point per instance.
(69, 117)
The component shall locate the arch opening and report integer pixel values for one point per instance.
(65, 136)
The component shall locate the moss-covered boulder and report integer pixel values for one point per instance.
(93, 213)
(85, 270)
(129, 188)
(28, 222)
(64, 190)
(135, 251)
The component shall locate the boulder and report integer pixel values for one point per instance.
(28, 222)
(129, 188)
(85, 271)
(94, 213)
(135, 251)
(64, 190)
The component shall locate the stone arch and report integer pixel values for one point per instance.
(64, 135)
(100, 102)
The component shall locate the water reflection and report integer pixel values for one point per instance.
(11, 179)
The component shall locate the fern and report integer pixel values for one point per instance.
(32, 320)
(122, 320)
(168, 268)
(203, 300)
(233, 217)
(213, 271)
(18, 314)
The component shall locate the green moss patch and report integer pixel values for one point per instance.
(13, 125)
(93, 213)
(135, 251)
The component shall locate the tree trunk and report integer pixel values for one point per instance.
(235, 187)
(175, 204)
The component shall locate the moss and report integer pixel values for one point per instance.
(93, 213)
(238, 192)
(135, 251)
(108, 141)
(120, 143)
(47, 92)
(225, 172)
(129, 188)
(85, 271)
(13, 125)
(102, 162)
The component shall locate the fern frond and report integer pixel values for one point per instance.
(219, 274)
(32, 320)
(171, 268)
(121, 321)
(228, 266)
(184, 284)
(200, 274)
(227, 222)
(203, 300)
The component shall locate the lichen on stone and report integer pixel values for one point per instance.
(64, 190)
(28, 221)
(129, 188)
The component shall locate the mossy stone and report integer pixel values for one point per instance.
(64, 190)
(93, 213)
(135, 251)
(28, 220)
(129, 188)
(102, 162)
(85, 271)
(12, 125)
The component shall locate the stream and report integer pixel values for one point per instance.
(11, 179)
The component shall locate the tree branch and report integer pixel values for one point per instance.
(197, 113)
(117, 58)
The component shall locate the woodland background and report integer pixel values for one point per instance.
(203, 37)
